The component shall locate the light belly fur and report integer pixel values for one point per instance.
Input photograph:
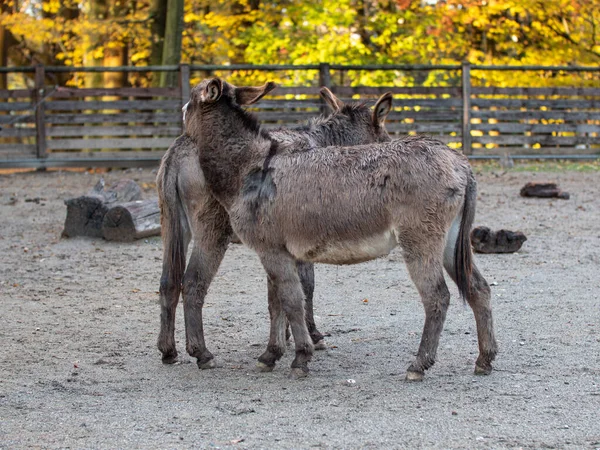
(349, 252)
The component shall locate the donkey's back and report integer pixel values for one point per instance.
(345, 205)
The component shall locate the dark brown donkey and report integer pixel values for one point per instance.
(190, 211)
(343, 205)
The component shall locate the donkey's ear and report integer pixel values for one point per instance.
(382, 108)
(248, 95)
(334, 103)
(213, 90)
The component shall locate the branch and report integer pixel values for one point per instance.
(565, 35)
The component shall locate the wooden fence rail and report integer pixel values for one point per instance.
(54, 126)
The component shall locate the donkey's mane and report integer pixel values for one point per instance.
(249, 120)
(348, 109)
(251, 123)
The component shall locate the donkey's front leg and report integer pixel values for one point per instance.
(285, 284)
(204, 262)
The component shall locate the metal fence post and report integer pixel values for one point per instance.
(466, 106)
(324, 80)
(184, 86)
(38, 99)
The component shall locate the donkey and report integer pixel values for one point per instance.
(189, 210)
(343, 205)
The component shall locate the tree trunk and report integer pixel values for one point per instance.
(158, 13)
(3, 57)
(172, 45)
(98, 11)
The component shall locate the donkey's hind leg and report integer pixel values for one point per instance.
(277, 333)
(426, 270)
(210, 243)
(170, 289)
(284, 283)
(306, 272)
(480, 303)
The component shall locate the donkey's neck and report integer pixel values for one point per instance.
(229, 154)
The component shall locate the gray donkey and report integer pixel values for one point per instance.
(343, 205)
(189, 210)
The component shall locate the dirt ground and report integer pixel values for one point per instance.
(79, 319)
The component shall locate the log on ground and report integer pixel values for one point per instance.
(543, 190)
(485, 240)
(86, 213)
(126, 222)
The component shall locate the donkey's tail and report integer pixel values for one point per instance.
(463, 256)
(174, 224)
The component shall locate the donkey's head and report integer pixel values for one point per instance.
(216, 98)
(357, 119)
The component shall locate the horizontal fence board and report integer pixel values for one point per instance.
(6, 149)
(94, 105)
(133, 154)
(15, 93)
(534, 151)
(537, 128)
(65, 92)
(293, 117)
(72, 144)
(543, 140)
(147, 117)
(14, 119)
(568, 116)
(535, 104)
(445, 138)
(380, 90)
(434, 103)
(15, 106)
(534, 92)
(424, 127)
(281, 104)
(17, 132)
(437, 103)
(433, 116)
(73, 131)
(350, 91)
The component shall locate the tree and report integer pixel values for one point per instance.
(172, 44)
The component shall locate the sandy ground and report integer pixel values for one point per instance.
(79, 366)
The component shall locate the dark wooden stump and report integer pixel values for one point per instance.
(132, 220)
(543, 190)
(485, 240)
(86, 213)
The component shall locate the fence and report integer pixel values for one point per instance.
(58, 126)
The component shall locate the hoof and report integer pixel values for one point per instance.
(320, 345)
(262, 367)
(414, 376)
(210, 364)
(297, 373)
(480, 370)
(171, 359)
